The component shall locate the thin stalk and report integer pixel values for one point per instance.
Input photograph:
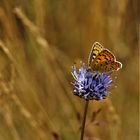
(84, 120)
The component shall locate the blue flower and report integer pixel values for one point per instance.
(89, 84)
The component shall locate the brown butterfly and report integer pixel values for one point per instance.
(101, 59)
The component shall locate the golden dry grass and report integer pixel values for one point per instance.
(39, 41)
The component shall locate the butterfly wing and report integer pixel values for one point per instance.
(109, 66)
(116, 65)
(105, 61)
(95, 50)
(104, 56)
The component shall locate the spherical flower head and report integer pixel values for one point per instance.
(91, 85)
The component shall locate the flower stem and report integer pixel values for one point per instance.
(84, 120)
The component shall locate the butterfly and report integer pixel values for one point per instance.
(101, 59)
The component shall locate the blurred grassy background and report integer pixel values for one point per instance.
(39, 41)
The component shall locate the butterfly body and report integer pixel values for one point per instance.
(101, 59)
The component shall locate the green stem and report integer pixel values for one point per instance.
(84, 120)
